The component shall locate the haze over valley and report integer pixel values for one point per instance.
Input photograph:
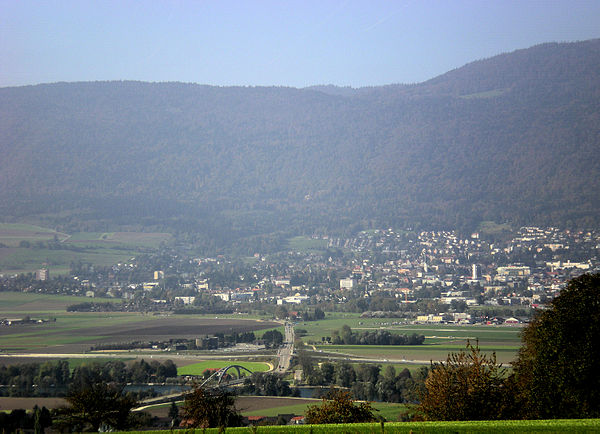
(236, 214)
(511, 139)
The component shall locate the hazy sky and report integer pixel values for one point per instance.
(290, 43)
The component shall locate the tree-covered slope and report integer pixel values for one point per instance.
(512, 138)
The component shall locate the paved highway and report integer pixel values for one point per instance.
(286, 352)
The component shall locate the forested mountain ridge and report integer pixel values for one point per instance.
(515, 137)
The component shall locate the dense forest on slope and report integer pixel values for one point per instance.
(512, 138)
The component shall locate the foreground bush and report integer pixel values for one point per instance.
(338, 407)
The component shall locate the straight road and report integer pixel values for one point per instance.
(286, 352)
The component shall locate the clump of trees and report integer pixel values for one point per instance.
(272, 338)
(268, 384)
(367, 381)
(346, 336)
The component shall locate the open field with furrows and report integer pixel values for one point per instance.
(66, 332)
(24, 248)
(505, 426)
(77, 332)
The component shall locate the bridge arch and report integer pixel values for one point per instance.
(220, 374)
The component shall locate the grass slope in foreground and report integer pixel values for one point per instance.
(505, 426)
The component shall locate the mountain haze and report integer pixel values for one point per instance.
(514, 138)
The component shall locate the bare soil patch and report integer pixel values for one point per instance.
(248, 403)
(28, 403)
(253, 403)
(175, 327)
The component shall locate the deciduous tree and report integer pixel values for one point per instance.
(467, 386)
(339, 407)
(558, 368)
(206, 408)
(95, 405)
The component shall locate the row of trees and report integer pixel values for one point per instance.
(53, 377)
(268, 384)
(346, 336)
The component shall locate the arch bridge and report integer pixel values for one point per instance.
(221, 378)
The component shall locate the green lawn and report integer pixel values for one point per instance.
(199, 368)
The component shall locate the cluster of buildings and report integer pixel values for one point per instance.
(432, 273)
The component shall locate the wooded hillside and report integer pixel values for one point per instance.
(512, 138)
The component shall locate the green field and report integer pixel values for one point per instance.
(131, 240)
(24, 248)
(507, 426)
(12, 304)
(11, 234)
(199, 368)
(439, 339)
(306, 244)
(421, 353)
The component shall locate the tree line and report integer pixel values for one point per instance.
(345, 336)
(53, 378)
